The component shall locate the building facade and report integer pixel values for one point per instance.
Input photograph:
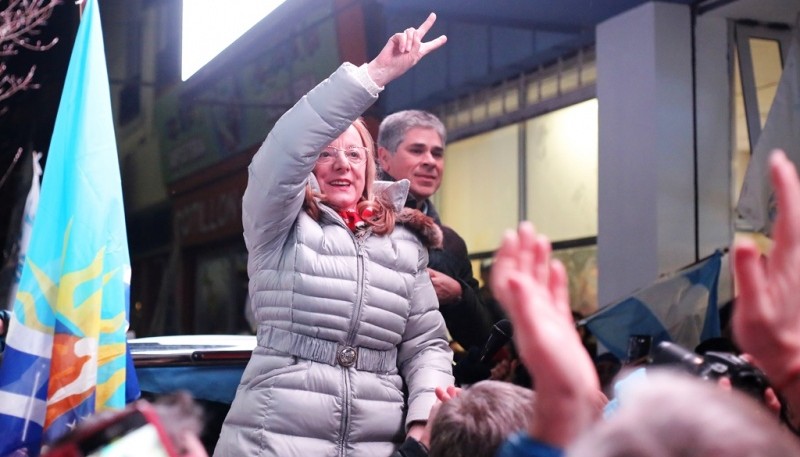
(621, 133)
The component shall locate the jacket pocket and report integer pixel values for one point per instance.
(393, 387)
(267, 364)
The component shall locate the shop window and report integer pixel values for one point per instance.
(221, 291)
(758, 62)
(760, 53)
(129, 102)
(561, 172)
(479, 193)
(544, 89)
(527, 149)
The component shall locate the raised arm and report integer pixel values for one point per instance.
(280, 169)
(766, 319)
(533, 290)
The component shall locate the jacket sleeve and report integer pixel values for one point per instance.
(424, 357)
(410, 448)
(468, 319)
(280, 169)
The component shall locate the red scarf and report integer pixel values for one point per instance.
(354, 220)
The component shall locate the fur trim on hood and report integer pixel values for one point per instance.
(421, 225)
(395, 193)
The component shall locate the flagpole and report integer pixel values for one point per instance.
(81, 4)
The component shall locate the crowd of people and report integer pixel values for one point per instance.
(327, 244)
(362, 296)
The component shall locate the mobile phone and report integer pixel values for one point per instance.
(133, 432)
(639, 349)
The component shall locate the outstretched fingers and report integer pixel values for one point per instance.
(523, 314)
(521, 274)
(426, 25)
(426, 47)
(559, 288)
(541, 262)
(749, 272)
(527, 250)
(505, 262)
(445, 394)
(752, 284)
(403, 51)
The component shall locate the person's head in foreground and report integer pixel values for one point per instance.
(477, 421)
(170, 427)
(671, 414)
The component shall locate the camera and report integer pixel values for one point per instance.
(714, 365)
(638, 349)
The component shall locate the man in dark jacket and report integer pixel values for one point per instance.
(411, 146)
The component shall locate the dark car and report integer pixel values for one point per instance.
(207, 366)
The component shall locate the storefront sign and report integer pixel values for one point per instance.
(213, 212)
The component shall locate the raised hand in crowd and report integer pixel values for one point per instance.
(532, 289)
(766, 318)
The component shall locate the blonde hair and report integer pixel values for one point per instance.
(383, 218)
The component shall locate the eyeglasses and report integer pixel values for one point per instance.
(354, 154)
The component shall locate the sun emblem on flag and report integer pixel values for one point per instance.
(75, 299)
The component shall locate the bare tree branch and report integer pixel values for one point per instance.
(20, 24)
(10, 167)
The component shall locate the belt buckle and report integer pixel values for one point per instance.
(346, 356)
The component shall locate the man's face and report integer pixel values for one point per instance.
(419, 158)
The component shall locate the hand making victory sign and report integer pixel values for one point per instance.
(403, 51)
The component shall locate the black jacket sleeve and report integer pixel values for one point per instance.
(467, 319)
(411, 448)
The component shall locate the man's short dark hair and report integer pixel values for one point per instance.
(395, 126)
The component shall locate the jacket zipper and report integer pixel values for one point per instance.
(358, 239)
(345, 412)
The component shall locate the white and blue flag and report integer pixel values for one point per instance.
(66, 353)
(681, 308)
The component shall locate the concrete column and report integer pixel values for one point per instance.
(646, 192)
(713, 102)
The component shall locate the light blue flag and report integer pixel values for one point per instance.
(66, 344)
(681, 308)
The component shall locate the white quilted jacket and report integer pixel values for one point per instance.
(350, 342)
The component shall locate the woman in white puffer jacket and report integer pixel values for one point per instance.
(350, 341)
